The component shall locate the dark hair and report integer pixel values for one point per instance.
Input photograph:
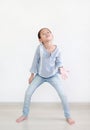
(40, 32)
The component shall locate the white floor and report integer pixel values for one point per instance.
(44, 116)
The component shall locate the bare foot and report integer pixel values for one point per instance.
(21, 118)
(70, 121)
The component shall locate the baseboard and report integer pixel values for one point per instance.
(73, 104)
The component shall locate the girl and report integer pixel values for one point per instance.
(46, 67)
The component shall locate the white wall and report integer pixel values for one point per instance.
(20, 21)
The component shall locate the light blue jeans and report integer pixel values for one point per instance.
(55, 82)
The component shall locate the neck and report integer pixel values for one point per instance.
(48, 44)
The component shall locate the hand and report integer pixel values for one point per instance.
(64, 73)
(31, 78)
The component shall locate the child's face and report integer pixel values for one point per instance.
(46, 36)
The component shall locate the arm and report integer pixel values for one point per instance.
(34, 67)
(63, 72)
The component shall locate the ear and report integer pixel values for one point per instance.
(40, 40)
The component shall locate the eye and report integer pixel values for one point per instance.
(43, 34)
(48, 32)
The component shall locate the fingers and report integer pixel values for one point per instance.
(29, 81)
(64, 76)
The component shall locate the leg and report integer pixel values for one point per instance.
(37, 81)
(55, 82)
